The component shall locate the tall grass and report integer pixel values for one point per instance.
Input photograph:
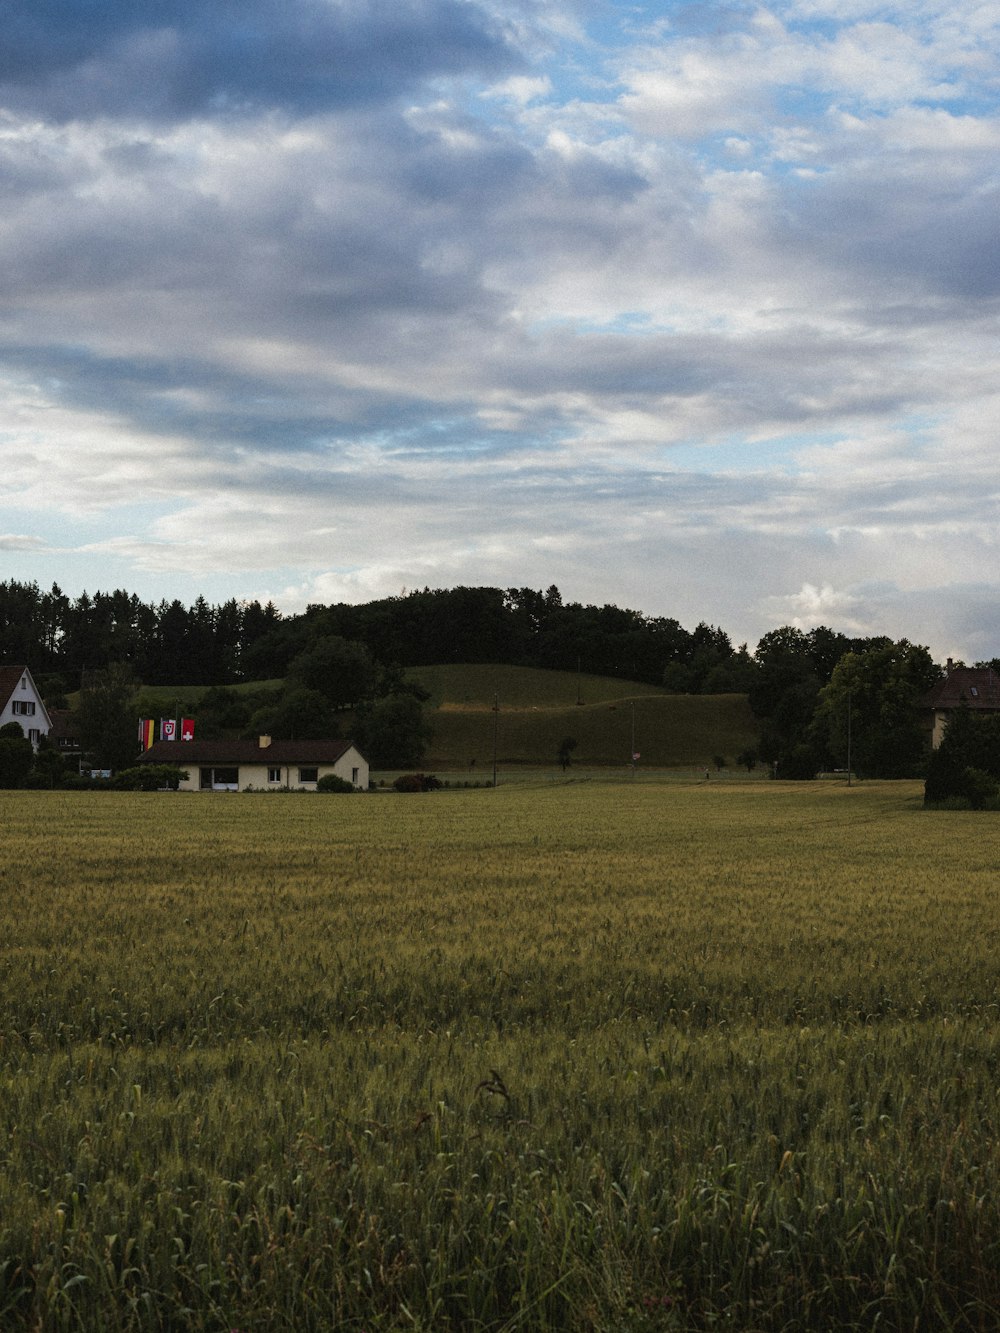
(581, 1057)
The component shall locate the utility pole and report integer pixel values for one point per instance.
(848, 735)
(496, 718)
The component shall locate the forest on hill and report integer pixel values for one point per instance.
(167, 643)
(201, 644)
(802, 686)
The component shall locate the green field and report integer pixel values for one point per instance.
(623, 1056)
(538, 709)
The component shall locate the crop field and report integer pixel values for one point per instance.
(594, 1056)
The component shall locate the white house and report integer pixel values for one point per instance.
(263, 764)
(20, 702)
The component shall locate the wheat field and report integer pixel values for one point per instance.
(584, 1056)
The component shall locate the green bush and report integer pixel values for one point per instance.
(83, 782)
(148, 777)
(417, 782)
(966, 766)
(963, 789)
(16, 757)
(331, 782)
(800, 764)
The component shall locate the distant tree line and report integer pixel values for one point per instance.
(164, 643)
(167, 643)
(811, 691)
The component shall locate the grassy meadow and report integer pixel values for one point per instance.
(593, 1056)
(538, 709)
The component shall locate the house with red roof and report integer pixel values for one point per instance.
(20, 702)
(975, 688)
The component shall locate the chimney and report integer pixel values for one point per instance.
(264, 742)
(949, 667)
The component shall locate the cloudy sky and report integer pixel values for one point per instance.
(688, 307)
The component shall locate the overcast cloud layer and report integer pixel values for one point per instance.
(693, 308)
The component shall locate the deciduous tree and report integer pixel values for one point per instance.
(107, 717)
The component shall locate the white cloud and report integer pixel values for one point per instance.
(521, 88)
(16, 541)
(702, 321)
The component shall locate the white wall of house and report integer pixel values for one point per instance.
(351, 766)
(939, 727)
(25, 707)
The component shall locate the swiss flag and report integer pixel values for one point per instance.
(187, 729)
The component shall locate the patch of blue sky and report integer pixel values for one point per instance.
(64, 531)
(737, 454)
(923, 428)
(460, 437)
(573, 74)
(632, 323)
(959, 100)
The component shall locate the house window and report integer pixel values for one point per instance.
(354, 776)
(274, 775)
(308, 774)
(34, 735)
(220, 779)
(24, 707)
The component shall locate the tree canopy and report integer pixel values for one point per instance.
(330, 658)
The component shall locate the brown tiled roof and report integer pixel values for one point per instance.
(976, 687)
(10, 677)
(64, 725)
(245, 752)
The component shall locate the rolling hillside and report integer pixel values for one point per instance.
(538, 709)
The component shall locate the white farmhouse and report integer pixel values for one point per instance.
(263, 764)
(20, 702)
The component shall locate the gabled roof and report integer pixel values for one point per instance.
(246, 752)
(975, 687)
(10, 678)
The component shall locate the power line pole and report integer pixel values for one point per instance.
(848, 735)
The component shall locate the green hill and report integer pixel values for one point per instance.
(538, 709)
